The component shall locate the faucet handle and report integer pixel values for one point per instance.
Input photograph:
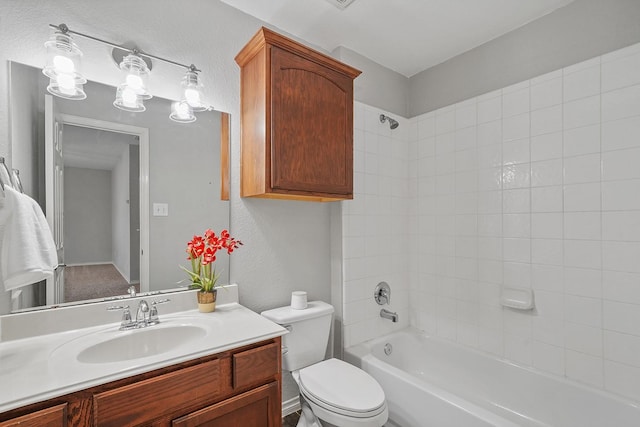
(117, 307)
(126, 322)
(153, 313)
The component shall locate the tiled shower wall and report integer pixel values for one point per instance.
(536, 185)
(375, 226)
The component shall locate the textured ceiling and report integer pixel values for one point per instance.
(407, 36)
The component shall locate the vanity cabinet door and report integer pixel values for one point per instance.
(50, 417)
(140, 402)
(259, 407)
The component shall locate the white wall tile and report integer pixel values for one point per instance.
(547, 251)
(621, 72)
(516, 250)
(546, 225)
(489, 133)
(516, 102)
(583, 112)
(583, 310)
(584, 282)
(466, 116)
(583, 140)
(545, 173)
(582, 197)
(516, 176)
(583, 253)
(621, 317)
(546, 94)
(622, 348)
(621, 256)
(582, 169)
(489, 156)
(584, 368)
(489, 110)
(621, 286)
(516, 201)
(514, 152)
(547, 277)
(621, 103)
(621, 164)
(549, 331)
(465, 138)
(581, 84)
(620, 134)
(445, 121)
(515, 127)
(618, 195)
(582, 225)
(583, 338)
(547, 199)
(547, 146)
(623, 225)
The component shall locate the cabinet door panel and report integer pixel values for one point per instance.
(256, 408)
(50, 417)
(145, 400)
(255, 365)
(311, 126)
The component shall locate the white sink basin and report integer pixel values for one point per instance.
(111, 346)
(139, 343)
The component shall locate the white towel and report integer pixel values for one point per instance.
(28, 253)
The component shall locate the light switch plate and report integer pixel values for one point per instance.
(160, 209)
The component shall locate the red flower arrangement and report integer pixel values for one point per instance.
(201, 251)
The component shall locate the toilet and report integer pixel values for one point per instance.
(332, 392)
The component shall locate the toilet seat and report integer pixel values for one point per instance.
(342, 388)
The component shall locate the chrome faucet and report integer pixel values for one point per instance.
(382, 293)
(132, 291)
(145, 316)
(142, 316)
(391, 315)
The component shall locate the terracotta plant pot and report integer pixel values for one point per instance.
(207, 301)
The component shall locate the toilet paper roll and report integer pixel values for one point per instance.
(298, 300)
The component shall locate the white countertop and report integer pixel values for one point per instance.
(42, 367)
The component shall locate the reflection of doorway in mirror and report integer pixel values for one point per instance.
(103, 238)
(102, 213)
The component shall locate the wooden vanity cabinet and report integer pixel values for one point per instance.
(240, 387)
(296, 121)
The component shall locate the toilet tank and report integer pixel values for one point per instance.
(306, 342)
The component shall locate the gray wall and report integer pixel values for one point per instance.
(578, 31)
(87, 216)
(377, 86)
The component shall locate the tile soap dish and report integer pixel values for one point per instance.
(518, 298)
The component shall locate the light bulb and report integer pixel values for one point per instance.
(129, 97)
(192, 96)
(66, 84)
(134, 82)
(63, 64)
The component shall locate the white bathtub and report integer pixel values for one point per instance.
(430, 382)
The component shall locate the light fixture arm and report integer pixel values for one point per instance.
(65, 29)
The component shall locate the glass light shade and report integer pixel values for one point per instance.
(63, 57)
(136, 73)
(182, 112)
(192, 91)
(128, 100)
(65, 87)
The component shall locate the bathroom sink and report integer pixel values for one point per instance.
(141, 343)
(112, 346)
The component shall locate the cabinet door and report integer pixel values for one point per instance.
(256, 408)
(50, 417)
(311, 126)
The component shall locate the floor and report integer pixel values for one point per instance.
(291, 420)
(93, 281)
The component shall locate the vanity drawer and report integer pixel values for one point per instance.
(256, 365)
(133, 404)
(55, 416)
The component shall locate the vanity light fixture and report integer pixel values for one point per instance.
(63, 65)
(131, 94)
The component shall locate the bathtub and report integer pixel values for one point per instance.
(430, 382)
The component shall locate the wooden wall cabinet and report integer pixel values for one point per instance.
(296, 121)
(240, 387)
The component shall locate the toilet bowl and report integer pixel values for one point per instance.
(341, 394)
(332, 392)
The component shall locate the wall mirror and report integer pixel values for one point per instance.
(132, 189)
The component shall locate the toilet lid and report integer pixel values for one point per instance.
(343, 386)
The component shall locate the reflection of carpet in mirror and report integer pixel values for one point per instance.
(94, 281)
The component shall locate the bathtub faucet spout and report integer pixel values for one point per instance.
(391, 315)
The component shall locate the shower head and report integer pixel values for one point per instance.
(392, 123)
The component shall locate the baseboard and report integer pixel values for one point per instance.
(290, 406)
